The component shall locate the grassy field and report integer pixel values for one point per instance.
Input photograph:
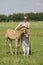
(36, 39)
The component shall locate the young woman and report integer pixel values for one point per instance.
(25, 40)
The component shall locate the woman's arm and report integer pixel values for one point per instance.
(20, 24)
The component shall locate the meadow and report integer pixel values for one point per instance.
(36, 39)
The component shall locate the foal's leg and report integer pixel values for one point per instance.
(10, 45)
(17, 46)
(6, 45)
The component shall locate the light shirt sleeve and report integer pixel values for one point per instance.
(28, 25)
(20, 24)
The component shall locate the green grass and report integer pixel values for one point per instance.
(36, 39)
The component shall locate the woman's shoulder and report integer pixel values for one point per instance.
(28, 22)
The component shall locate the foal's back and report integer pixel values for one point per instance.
(12, 34)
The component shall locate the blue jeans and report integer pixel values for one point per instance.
(26, 45)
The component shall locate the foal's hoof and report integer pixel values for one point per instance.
(12, 54)
(16, 53)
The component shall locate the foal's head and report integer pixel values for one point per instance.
(27, 32)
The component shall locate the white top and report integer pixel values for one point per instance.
(26, 24)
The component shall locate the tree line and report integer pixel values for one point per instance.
(19, 17)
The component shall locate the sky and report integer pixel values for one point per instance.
(20, 6)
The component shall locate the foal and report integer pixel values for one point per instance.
(13, 35)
